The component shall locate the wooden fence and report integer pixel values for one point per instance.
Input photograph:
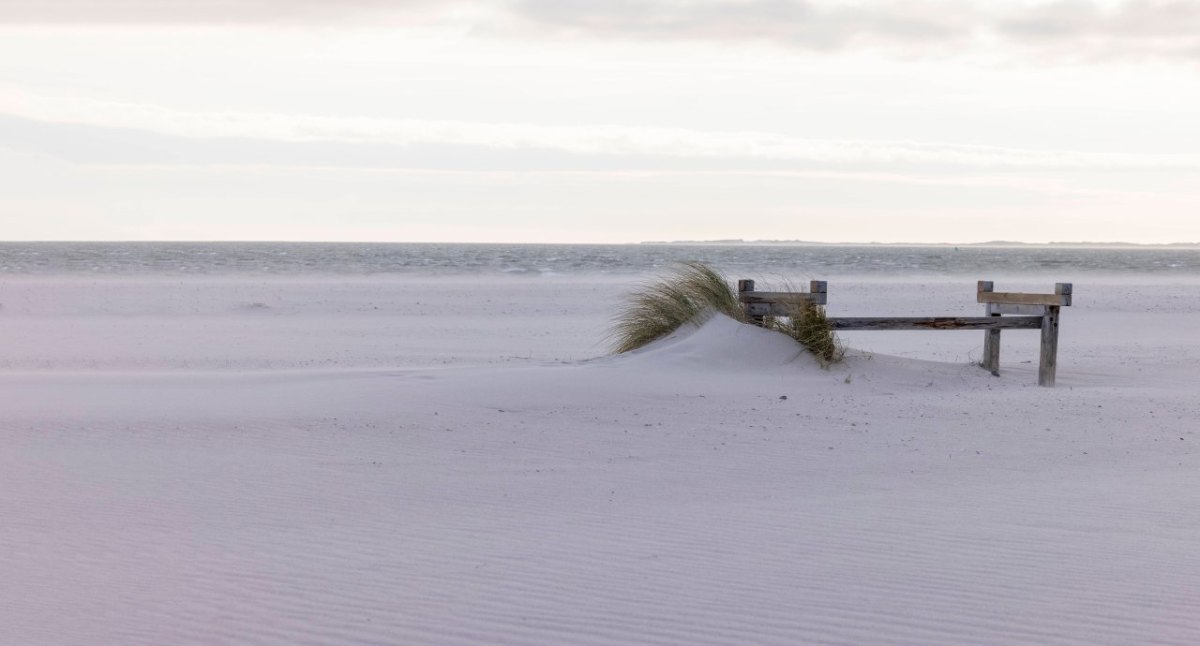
(1003, 311)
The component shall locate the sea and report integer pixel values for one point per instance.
(365, 259)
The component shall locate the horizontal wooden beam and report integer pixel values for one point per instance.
(1017, 298)
(818, 298)
(770, 309)
(938, 323)
(1011, 308)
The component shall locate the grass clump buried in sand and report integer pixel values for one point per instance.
(690, 293)
(810, 327)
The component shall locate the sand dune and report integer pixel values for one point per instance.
(716, 487)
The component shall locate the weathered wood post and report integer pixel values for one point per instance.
(818, 287)
(747, 285)
(1048, 362)
(991, 338)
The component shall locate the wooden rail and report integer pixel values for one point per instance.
(937, 323)
(1027, 312)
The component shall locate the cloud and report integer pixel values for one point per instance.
(1075, 29)
(1134, 28)
(1068, 28)
(406, 141)
(794, 23)
(188, 12)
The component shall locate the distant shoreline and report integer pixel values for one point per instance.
(992, 244)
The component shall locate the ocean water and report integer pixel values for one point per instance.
(288, 258)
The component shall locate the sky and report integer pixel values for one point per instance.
(600, 121)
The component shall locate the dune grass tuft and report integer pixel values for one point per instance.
(808, 324)
(688, 294)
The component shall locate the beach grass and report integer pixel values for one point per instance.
(690, 293)
(809, 325)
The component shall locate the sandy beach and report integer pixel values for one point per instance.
(309, 315)
(457, 460)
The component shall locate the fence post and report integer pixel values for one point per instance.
(1048, 362)
(747, 285)
(991, 338)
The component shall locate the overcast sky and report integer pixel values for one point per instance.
(600, 121)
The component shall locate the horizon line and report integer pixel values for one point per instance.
(714, 242)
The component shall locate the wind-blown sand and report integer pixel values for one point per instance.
(454, 461)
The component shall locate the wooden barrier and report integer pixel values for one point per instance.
(761, 304)
(1003, 310)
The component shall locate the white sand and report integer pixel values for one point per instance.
(448, 462)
